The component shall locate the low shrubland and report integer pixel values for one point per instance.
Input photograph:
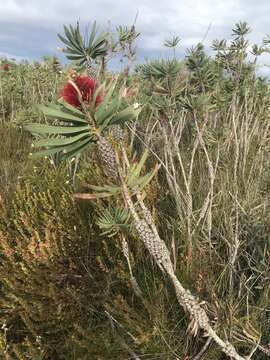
(183, 156)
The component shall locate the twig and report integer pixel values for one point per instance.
(203, 350)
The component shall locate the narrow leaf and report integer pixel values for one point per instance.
(50, 129)
(58, 114)
(60, 141)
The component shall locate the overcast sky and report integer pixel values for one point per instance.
(28, 28)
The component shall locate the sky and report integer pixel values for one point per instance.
(28, 28)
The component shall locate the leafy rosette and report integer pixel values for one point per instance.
(78, 118)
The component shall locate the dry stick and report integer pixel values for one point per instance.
(148, 233)
(2, 100)
(131, 352)
(171, 178)
(237, 146)
(208, 203)
(149, 133)
(120, 339)
(133, 280)
(125, 246)
(243, 136)
(212, 175)
(170, 148)
(176, 191)
(133, 131)
(160, 253)
(256, 345)
(236, 244)
(203, 350)
(264, 140)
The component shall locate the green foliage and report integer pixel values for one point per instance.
(83, 49)
(40, 300)
(14, 150)
(171, 43)
(73, 137)
(134, 180)
(126, 34)
(79, 128)
(25, 85)
(241, 29)
(113, 221)
(60, 280)
(160, 69)
(125, 42)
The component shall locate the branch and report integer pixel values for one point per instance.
(160, 253)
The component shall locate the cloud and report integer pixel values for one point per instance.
(28, 28)
(11, 56)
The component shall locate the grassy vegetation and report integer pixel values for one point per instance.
(77, 279)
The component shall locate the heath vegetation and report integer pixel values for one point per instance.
(135, 205)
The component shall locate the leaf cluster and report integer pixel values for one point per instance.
(84, 49)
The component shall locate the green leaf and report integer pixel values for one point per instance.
(78, 36)
(125, 115)
(144, 180)
(106, 99)
(75, 149)
(81, 63)
(58, 114)
(71, 39)
(92, 35)
(43, 153)
(60, 141)
(71, 108)
(69, 150)
(98, 44)
(99, 91)
(72, 51)
(66, 42)
(106, 188)
(74, 57)
(136, 170)
(104, 112)
(113, 220)
(141, 181)
(50, 129)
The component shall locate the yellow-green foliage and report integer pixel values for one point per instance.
(25, 85)
(14, 150)
(60, 280)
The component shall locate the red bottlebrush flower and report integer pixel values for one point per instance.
(6, 67)
(87, 88)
